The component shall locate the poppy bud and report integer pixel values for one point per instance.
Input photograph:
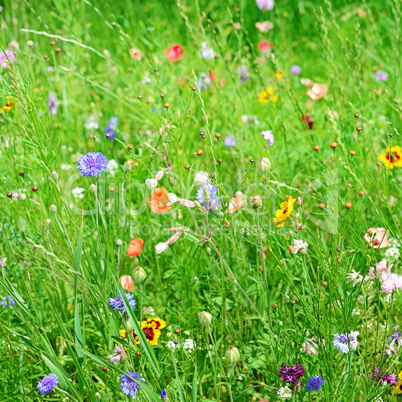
(205, 318)
(92, 188)
(256, 202)
(139, 274)
(119, 243)
(53, 208)
(232, 355)
(55, 175)
(264, 164)
(127, 166)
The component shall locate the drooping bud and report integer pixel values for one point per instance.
(264, 164)
(256, 202)
(205, 318)
(232, 355)
(139, 274)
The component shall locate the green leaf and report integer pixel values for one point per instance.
(194, 392)
(77, 325)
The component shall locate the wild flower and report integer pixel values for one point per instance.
(205, 81)
(377, 238)
(299, 245)
(161, 247)
(159, 200)
(127, 283)
(129, 386)
(396, 337)
(317, 91)
(267, 96)
(112, 168)
(151, 183)
(135, 54)
(291, 374)
(172, 345)
(381, 270)
(6, 56)
(202, 178)
(52, 103)
(207, 194)
(354, 276)
(135, 247)
(265, 47)
(229, 141)
(381, 75)
(284, 393)
(312, 346)
(151, 329)
(206, 53)
(314, 383)
(91, 123)
(309, 120)
(265, 5)
(47, 383)
(110, 129)
(243, 72)
(236, 203)
(117, 303)
(92, 164)
(189, 345)
(163, 395)
(392, 157)
(345, 342)
(386, 379)
(8, 301)
(295, 69)
(118, 355)
(174, 53)
(391, 283)
(268, 136)
(283, 214)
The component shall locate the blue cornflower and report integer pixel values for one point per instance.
(11, 302)
(314, 383)
(92, 164)
(111, 128)
(163, 394)
(117, 303)
(345, 342)
(229, 141)
(395, 337)
(47, 383)
(207, 194)
(128, 385)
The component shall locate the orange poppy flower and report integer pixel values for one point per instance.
(158, 201)
(127, 283)
(317, 91)
(377, 238)
(174, 53)
(135, 247)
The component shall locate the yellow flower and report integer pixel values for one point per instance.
(391, 158)
(398, 388)
(267, 96)
(284, 213)
(151, 329)
(278, 75)
(9, 105)
(123, 333)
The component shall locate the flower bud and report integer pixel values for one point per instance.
(119, 243)
(48, 222)
(139, 274)
(129, 325)
(55, 175)
(264, 164)
(205, 318)
(53, 208)
(232, 355)
(128, 166)
(92, 188)
(256, 202)
(22, 197)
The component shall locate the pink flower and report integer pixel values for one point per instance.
(381, 269)
(3, 59)
(317, 91)
(391, 283)
(174, 53)
(264, 45)
(236, 203)
(311, 347)
(377, 238)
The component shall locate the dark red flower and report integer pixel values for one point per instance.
(309, 120)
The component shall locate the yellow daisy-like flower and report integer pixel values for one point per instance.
(278, 75)
(267, 96)
(8, 106)
(284, 213)
(398, 388)
(392, 157)
(151, 329)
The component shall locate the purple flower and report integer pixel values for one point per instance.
(395, 337)
(11, 302)
(92, 164)
(314, 383)
(295, 69)
(52, 103)
(111, 128)
(243, 71)
(381, 75)
(117, 303)
(3, 59)
(265, 5)
(291, 374)
(268, 136)
(386, 379)
(207, 194)
(47, 383)
(128, 385)
(163, 394)
(229, 141)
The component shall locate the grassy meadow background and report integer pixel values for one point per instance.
(64, 262)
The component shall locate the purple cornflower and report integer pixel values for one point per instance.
(111, 128)
(291, 374)
(118, 304)
(47, 383)
(386, 379)
(395, 337)
(268, 136)
(295, 69)
(229, 141)
(163, 394)
(381, 75)
(52, 103)
(344, 341)
(243, 71)
(314, 383)
(265, 5)
(128, 385)
(207, 194)
(92, 164)
(11, 302)
(3, 59)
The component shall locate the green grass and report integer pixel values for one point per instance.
(62, 267)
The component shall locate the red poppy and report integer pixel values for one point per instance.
(174, 53)
(158, 201)
(309, 120)
(135, 247)
(264, 45)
